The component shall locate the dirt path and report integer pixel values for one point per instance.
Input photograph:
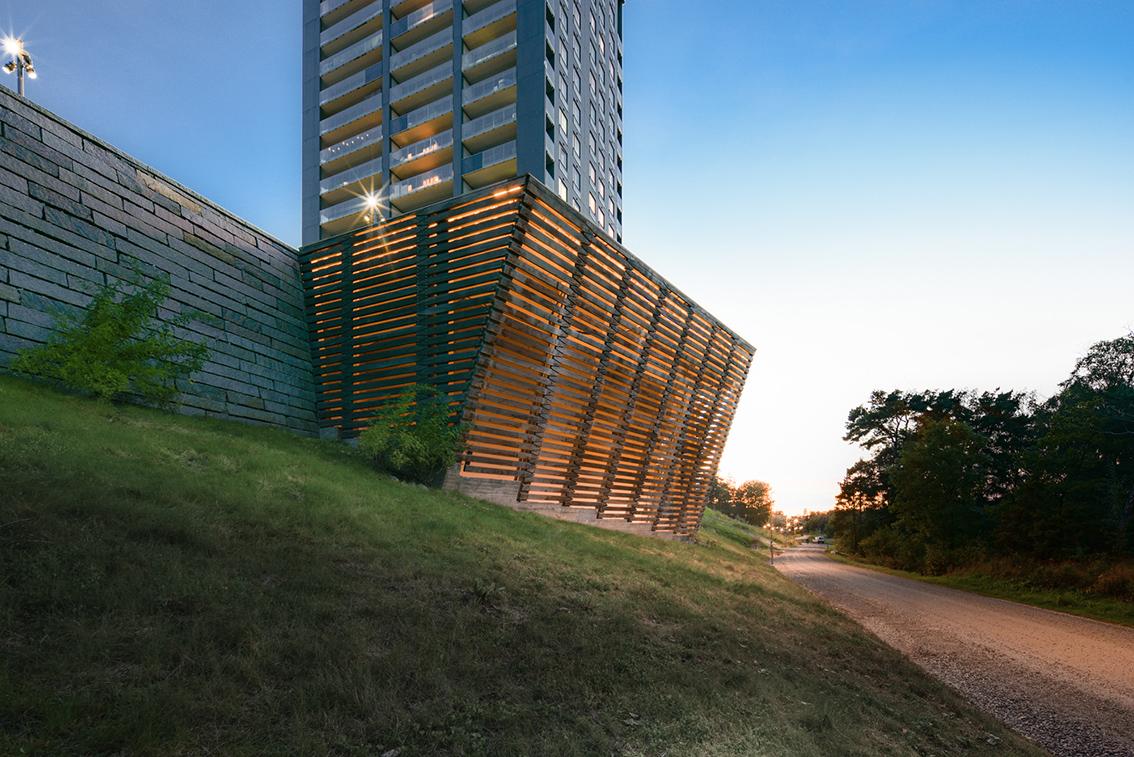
(1063, 681)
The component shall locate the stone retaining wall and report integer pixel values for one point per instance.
(75, 213)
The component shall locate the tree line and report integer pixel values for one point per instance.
(954, 476)
(750, 502)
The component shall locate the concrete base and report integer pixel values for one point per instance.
(507, 494)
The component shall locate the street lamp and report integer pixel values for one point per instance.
(21, 62)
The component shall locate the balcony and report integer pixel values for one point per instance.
(429, 153)
(490, 94)
(352, 89)
(489, 59)
(358, 56)
(425, 87)
(494, 164)
(333, 11)
(423, 122)
(402, 8)
(365, 115)
(486, 25)
(475, 6)
(422, 56)
(493, 128)
(423, 189)
(354, 27)
(352, 182)
(421, 23)
(351, 151)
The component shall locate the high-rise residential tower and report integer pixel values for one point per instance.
(408, 102)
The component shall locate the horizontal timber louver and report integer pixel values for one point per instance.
(584, 378)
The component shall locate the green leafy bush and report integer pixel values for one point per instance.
(412, 437)
(117, 347)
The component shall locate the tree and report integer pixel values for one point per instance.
(754, 501)
(939, 483)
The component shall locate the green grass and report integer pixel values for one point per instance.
(172, 585)
(976, 580)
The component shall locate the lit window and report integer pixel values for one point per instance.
(591, 205)
(563, 189)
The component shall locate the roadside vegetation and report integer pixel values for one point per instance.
(175, 585)
(1001, 493)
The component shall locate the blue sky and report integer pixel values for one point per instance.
(876, 194)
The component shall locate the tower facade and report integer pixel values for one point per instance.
(410, 102)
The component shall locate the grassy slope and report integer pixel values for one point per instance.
(175, 585)
(1103, 608)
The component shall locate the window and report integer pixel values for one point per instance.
(594, 26)
(563, 120)
(591, 203)
(594, 85)
(594, 115)
(575, 114)
(578, 179)
(591, 173)
(575, 145)
(563, 189)
(601, 189)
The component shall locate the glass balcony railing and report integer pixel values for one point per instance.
(421, 49)
(368, 75)
(350, 23)
(422, 181)
(351, 207)
(330, 6)
(367, 107)
(485, 53)
(489, 87)
(419, 17)
(350, 176)
(488, 122)
(368, 138)
(355, 51)
(483, 18)
(490, 157)
(421, 149)
(422, 81)
(419, 116)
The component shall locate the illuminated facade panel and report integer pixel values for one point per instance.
(585, 379)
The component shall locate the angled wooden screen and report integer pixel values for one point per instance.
(586, 380)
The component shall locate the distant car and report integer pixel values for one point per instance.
(820, 539)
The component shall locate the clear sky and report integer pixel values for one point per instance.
(877, 194)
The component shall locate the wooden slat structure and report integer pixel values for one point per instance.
(586, 380)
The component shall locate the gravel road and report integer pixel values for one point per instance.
(1063, 681)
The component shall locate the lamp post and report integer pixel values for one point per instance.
(20, 64)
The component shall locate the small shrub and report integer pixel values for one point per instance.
(117, 347)
(1117, 581)
(412, 437)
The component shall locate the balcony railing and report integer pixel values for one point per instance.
(422, 181)
(350, 23)
(488, 122)
(419, 116)
(490, 157)
(489, 15)
(368, 75)
(367, 107)
(489, 87)
(484, 53)
(350, 176)
(328, 7)
(421, 81)
(353, 206)
(421, 49)
(349, 145)
(421, 149)
(354, 52)
(419, 17)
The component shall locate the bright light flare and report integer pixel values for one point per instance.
(13, 46)
(373, 201)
